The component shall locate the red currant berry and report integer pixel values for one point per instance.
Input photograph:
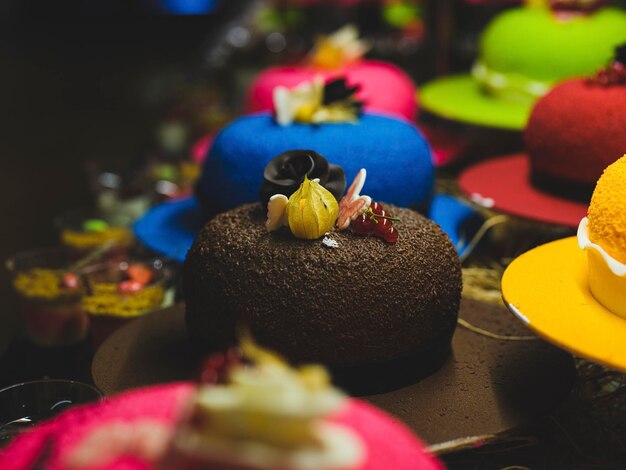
(382, 227)
(216, 367)
(377, 208)
(391, 235)
(215, 361)
(233, 356)
(209, 376)
(363, 225)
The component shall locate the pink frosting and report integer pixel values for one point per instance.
(200, 148)
(389, 443)
(384, 87)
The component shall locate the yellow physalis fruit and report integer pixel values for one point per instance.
(312, 210)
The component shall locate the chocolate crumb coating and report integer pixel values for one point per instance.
(365, 301)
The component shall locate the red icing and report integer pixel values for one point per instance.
(384, 87)
(389, 443)
(505, 181)
(577, 130)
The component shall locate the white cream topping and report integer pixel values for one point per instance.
(271, 416)
(616, 267)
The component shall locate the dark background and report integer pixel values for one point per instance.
(77, 85)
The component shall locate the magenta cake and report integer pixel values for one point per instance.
(144, 419)
(383, 87)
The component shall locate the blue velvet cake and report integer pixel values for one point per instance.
(397, 157)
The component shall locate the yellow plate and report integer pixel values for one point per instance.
(547, 289)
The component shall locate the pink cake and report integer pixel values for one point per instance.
(383, 86)
(132, 431)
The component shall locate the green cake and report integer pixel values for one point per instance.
(523, 53)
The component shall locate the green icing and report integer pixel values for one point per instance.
(532, 42)
(461, 98)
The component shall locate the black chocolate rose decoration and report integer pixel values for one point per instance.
(338, 90)
(286, 172)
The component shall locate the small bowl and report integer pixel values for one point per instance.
(25, 404)
(120, 291)
(50, 296)
(121, 196)
(84, 230)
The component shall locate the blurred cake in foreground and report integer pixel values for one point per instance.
(270, 416)
(264, 415)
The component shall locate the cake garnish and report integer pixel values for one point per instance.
(285, 173)
(377, 221)
(310, 212)
(353, 204)
(363, 215)
(277, 212)
(270, 415)
(614, 73)
(301, 191)
(217, 366)
(317, 102)
(330, 242)
(341, 48)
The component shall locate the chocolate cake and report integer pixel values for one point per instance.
(346, 300)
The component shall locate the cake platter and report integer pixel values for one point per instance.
(547, 289)
(503, 184)
(442, 97)
(170, 228)
(488, 385)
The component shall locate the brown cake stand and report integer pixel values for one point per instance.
(486, 387)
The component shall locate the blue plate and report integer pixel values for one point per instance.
(170, 228)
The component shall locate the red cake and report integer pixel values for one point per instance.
(577, 130)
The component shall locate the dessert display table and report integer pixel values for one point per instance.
(486, 387)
